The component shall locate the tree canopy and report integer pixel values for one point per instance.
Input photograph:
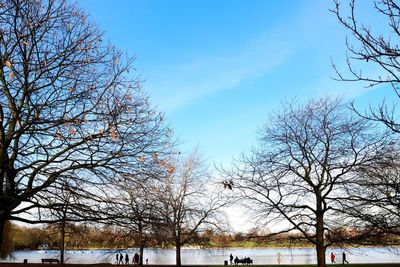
(69, 110)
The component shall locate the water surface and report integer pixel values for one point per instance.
(213, 256)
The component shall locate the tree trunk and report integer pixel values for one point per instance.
(141, 249)
(141, 244)
(6, 246)
(2, 235)
(178, 252)
(319, 232)
(321, 249)
(62, 245)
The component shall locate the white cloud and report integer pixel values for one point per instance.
(184, 83)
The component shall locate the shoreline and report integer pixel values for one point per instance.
(217, 248)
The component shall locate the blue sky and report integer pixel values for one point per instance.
(218, 68)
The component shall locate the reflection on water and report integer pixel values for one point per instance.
(212, 256)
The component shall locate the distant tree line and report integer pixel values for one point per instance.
(89, 237)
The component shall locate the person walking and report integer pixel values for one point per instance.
(116, 258)
(344, 258)
(332, 257)
(126, 259)
(121, 259)
(231, 259)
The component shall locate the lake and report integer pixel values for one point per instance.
(214, 256)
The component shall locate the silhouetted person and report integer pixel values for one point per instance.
(136, 258)
(236, 260)
(332, 257)
(121, 259)
(231, 258)
(116, 258)
(147, 260)
(126, 259)
(344, 258)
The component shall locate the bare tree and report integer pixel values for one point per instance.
(65, 203)
(67, 106)
(136, 206)
(369, 47)
(306, 154)
(375, 199)
(192, 203)
(375, 193)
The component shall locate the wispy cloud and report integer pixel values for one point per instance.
(350, 90)
(206, 72)
(203, 75)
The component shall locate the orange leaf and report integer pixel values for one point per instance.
(59, 136)
(141, 159)
(114, 135)
(7, 64)
(25, 43)
(170, 169)
(11, 75)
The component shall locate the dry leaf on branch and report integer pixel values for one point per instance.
(114, 135)
(170, 169)
(59, 136)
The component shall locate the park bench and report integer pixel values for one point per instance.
(246, 261)
(50, 260)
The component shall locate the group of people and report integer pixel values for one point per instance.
(245, 260)
(135, 259)
(344, 259)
